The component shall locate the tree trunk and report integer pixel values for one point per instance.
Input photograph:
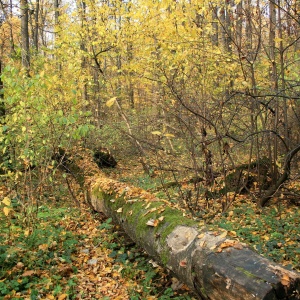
(211, 265)
(36, 26)
(25, 34)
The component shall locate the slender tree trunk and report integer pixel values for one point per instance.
(2, 108)
(239, 24)
(274, 81)
(25, 51)
(282, 77)
(36, 26)
(228, 24)
(56, 12)
(215, 25)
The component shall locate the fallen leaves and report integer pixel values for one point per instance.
(29, 273)
(155, 222)
(286, 277)
(230, 243)
(152, 222)
(285, 280)
(96, 270)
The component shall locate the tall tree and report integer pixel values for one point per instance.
(25, 51)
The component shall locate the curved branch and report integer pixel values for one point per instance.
(256, 133)
(285, 176)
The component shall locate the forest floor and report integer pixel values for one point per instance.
(71, 253)
(65, 252)
(273, 231)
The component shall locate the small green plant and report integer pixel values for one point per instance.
(25, 257)
(273, 233)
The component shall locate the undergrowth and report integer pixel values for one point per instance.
(72, 254)
(273, 231)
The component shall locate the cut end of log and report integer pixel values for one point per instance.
(181, 238)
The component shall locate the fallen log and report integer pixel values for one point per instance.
(212, 265)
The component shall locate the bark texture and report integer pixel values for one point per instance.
(213, 266)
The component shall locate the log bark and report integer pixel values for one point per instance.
(213, 266)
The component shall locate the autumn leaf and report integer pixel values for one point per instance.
(152, 222)
(111, 101)
(6, 201)
(28, 273)
(6, 210)
(43, 247)
(222, 235)
(285, 280)
(201, 235)
(156, 132)
(169, 135)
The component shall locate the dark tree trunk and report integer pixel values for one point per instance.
(36, 26)
(25, 34)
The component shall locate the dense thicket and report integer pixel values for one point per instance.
(215, 83)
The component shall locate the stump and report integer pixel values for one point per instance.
(104, 159)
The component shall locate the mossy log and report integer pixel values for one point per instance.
(212, 265)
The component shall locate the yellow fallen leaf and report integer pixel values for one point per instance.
(111, 101)
(156, 132)
(28, 273)
(169, 135)
(213, 247)
(265, 237)
(285, 280)
(152, 222)
(43, 247)
(232, 233)
(6, 210)
(230, 213)
(6, 201)
(222, 235)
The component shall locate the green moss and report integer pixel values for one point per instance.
(203, 292)
(97, 192)
(173, 218)
(164, 256)
(249, 274)
(138, 213)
